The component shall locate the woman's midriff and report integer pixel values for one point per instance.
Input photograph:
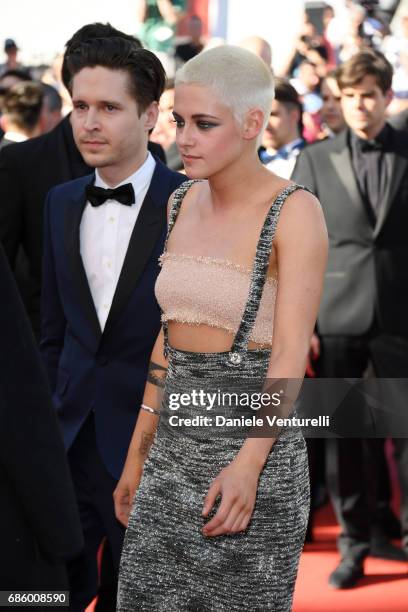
(203, 338)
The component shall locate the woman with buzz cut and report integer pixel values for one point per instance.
(216, 521)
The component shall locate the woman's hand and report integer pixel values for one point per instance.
(237, 484)
(125, 492)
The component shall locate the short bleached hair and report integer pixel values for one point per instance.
(240, 78)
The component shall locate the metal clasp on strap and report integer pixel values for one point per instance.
(235, 358)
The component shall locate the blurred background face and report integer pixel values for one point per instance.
(320, 62)
(11, 53)
(165, 131)
(308, 75)
(332, 114)
(282, 126)
(364, 105)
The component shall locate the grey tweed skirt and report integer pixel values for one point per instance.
(167, 564)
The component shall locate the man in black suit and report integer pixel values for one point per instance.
(28, 170)
(361, 179)
(103, 236)
(39, 522)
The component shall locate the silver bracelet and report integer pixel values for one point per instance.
(151, 410)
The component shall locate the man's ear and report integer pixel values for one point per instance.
(389, 94)
(253, 123)
(151, 115)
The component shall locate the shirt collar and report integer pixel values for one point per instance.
(139, 179)
(292, 146)
(15, 136)
(381, 138)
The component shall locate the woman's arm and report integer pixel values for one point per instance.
(143, 434)
(302, 245)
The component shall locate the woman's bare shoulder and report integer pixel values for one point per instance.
(194, 192)
(301, 215)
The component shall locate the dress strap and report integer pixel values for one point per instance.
(259, 273)
(178, 198)
(174, 211)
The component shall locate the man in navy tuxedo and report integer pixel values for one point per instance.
(103, 236)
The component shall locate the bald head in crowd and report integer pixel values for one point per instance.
(259, 46)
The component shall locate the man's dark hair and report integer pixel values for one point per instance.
(51, 98)
(23, 75)
(287, 95)
(367, 62)
(88, 32)
(145, 72)
(22, 103)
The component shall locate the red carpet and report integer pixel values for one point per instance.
(383, 589)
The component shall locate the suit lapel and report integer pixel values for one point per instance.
(341, 160)
(397, 166)
(73, 215)
(147, 230)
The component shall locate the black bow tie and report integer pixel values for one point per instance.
(123, 194)
(371, 145)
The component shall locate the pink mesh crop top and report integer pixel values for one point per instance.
(205, 290)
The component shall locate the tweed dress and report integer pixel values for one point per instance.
(167, 564)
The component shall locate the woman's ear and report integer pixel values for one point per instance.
(253, 123)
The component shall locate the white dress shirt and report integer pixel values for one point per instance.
(15, 136)
(104, 238)
(284, 164)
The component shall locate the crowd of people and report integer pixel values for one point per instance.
(91, 151)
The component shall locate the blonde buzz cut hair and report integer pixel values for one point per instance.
(239, 77)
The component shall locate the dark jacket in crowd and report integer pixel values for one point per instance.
(39, 524)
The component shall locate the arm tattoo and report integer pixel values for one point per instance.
(146, 442)
(156, 374)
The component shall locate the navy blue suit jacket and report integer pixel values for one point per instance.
(90, 370)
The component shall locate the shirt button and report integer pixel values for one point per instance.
(106, 306)
(108, 264)
(112, 219)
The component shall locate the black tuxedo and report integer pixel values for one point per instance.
(363, 313)
(98, 377)
(39, 523)
(28, 170)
